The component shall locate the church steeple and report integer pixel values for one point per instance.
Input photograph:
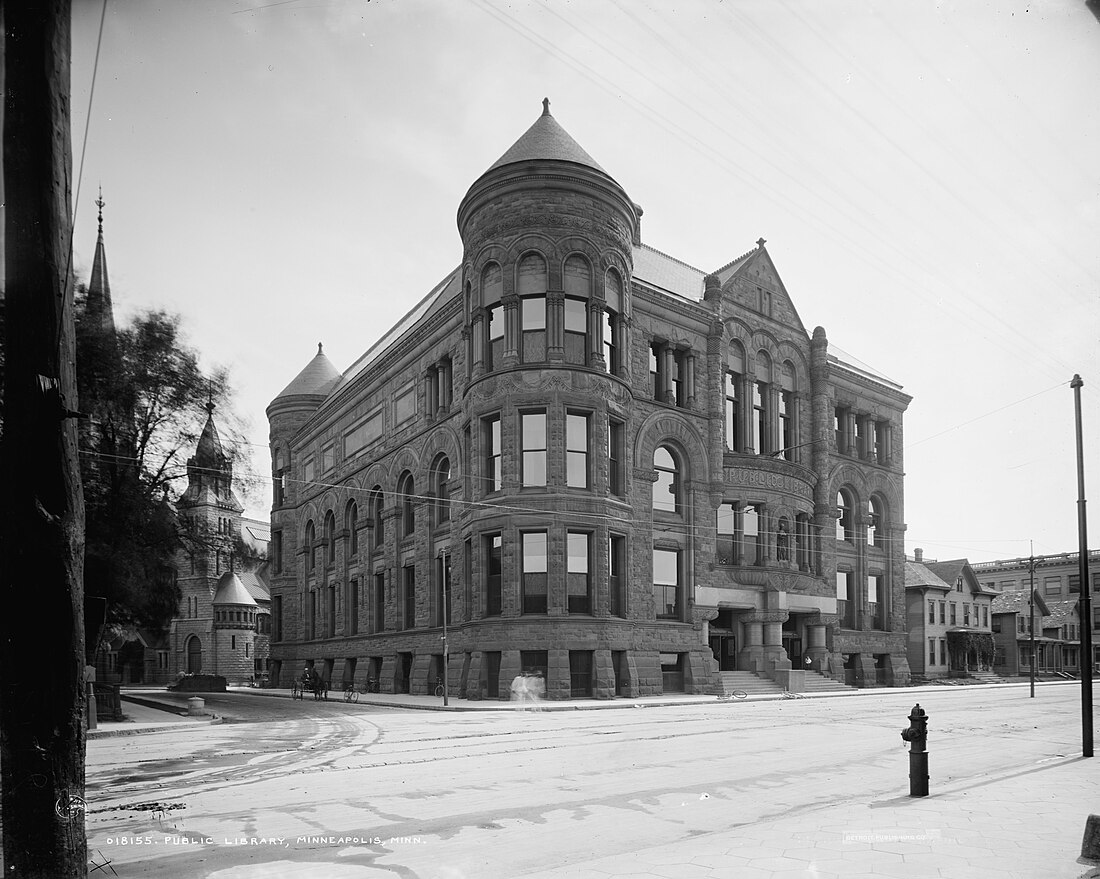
(99, 309)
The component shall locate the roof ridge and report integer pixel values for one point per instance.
(738, 259)
(674, 259)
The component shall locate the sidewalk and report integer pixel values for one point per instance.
(143, 718)
(174, 701)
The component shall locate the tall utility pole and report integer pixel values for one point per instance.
(1031, 616)
(1085, 603)
(42, 698)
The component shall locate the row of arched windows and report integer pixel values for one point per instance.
(761, 406)
(407, 496)
(584, 334)
(874, 517)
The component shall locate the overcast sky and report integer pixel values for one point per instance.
(925, 174)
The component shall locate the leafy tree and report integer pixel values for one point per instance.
(145, 396)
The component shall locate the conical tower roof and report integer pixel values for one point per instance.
(546, 140)
(209, 453)
(99, 309)
(230, 590)
(317, 379)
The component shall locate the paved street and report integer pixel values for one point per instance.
(808, 787)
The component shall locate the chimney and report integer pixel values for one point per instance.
(918, 555)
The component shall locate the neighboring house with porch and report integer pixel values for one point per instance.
(949, 615)
(1057, 635)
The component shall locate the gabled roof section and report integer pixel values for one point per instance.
(425, 308)
(1060, 612)
(657, 269)
(950, 571)
(1017, 602)
(756, 269)
(317, 379)
(546, 140)
(918, 576)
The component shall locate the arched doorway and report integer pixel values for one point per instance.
(194, 655)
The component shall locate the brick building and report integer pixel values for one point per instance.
(609, 466)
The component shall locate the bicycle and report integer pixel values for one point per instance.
(439, 689)
(372, 685)
(350, 693)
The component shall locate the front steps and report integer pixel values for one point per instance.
(754, 685)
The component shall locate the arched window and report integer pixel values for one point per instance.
(194, 655)
(441, 475)
(613, 300)
(330, 538)
(378, 523)
(492, 286)
(351, 524)
(735, 369)
(531, 286)
(876, 521)
(667, 490)
(578, 289)
(845, 517)
(406, 492)
(278, 479)
(311, 551)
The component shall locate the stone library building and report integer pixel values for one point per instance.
(581, 458)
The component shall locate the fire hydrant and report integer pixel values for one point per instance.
(917, 735)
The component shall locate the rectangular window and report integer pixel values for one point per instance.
(657, 370)
(931, 651)
(277, 552)
(943, 613)
(404, 405)
(985, 617)
(680, 377)
(846, 598)
(576, 449)
(328, 457)
(931, 611)
(1074, 584)
(277, 618)
(309, 470)
(363, 434)
(943, 652)
(616, 567)
(533, 439)
(733, 412)
(760, 418)
(351, 609)
(442, 590)
(533, 319)
(496, 336)
(576, 331)
(840, 423)
(616, 449)
(666, 583)
(490, 443)
(313, 614)
(578, 582)
(727, 534)
(379, 621)
(331, 627)
(534, 572)
(954, 618)
(786, 424)
(751, 548)
(610, 348)
(1052, 585)
(493, 560)
(966, 614)
(409, 577)
(876, 606)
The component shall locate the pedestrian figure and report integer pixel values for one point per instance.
(536, 686)
(519, 691)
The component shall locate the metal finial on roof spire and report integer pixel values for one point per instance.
(210, 400)
(545, 106)
(320, 348)
(100, 203)
(760, 242)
